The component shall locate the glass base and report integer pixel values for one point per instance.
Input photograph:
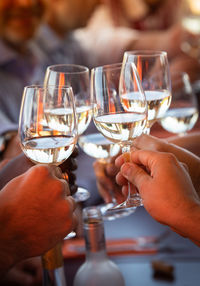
(131, 203)
(81, 195)
(109, 212)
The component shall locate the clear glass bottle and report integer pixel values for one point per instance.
(97, 270)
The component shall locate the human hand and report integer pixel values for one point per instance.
(148, 142)
(165, 187)
(20, 164)
(36, 211)
(105, 176)
(25, 273)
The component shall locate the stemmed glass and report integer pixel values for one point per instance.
(77, 77)
(153, 70)
(46, 143)
(190, 20)
(112, 115)
(97, 146)
(183, 112)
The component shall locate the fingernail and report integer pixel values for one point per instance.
(126, 169)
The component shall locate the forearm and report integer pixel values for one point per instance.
(187, 224)
(7, 240)
(191, 160)
(191, 142)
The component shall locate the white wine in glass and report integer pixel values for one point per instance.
(77, 77)
(183, 113)
(45, 144)
(153, 71)
(111, 116)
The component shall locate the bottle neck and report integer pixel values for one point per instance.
(94, 238)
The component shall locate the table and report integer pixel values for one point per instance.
(136, 269)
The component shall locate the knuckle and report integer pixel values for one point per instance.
(40, 170)
(170, 157)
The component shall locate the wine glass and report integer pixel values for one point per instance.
(183, 112)
(77, 77)
(97, 146)
(190, 21)
(112, 116)
(153, 70)
(47, 143)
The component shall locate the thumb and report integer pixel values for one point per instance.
(135, 174)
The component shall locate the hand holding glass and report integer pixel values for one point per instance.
(46, 141)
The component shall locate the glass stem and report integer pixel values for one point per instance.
(133, 198)
(127, 149)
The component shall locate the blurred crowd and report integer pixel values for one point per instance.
(37, 33)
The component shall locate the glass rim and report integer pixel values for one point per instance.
(146, 53)
(108, 67)
(42, 87)
(82, 69)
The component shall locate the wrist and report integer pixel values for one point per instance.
(10, 249)
(187, 222)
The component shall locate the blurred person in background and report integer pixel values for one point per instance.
(56, 38)
(120, 25)
(21, 62)
(27, 48)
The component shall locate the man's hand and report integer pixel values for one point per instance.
(36, 212)
(105, 176)
(20, 164)
(25, 273)
(147, 142)
(165, 187)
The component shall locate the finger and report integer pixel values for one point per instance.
(125, 191)
(146, 158)
(104, 193)
(99, 170)
(133, 148)
(19, 275)
(139, 142)
(118, 195)
(66, 189)
(135, 174)
(72, 203)
(121, 180)
(73, 189)
(74, 221)
(69, 165)
(148, 142)
(111, 169)
(119, 161)
(56, 171)
(71, 178)
(185, 166)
